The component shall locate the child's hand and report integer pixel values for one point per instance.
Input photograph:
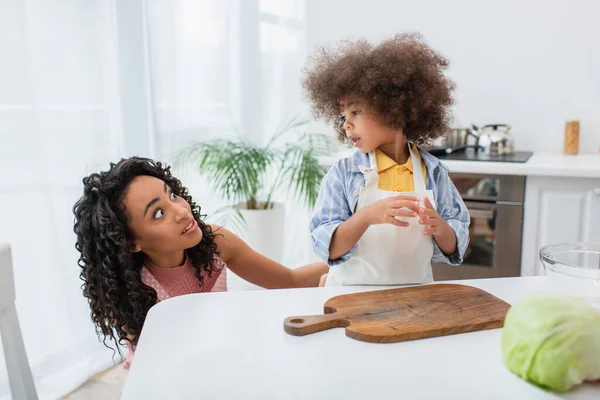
(442, 232)
(384, 211)
(430, 217)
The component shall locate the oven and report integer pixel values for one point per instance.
(495, 204)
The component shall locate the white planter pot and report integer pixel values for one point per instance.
(265, 230)
(265, 234)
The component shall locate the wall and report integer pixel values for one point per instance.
(533, 64)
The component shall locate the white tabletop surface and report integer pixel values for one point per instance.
(233, 346)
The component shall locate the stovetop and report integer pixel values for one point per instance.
(470, 155)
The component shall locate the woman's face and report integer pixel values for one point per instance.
(162, 222)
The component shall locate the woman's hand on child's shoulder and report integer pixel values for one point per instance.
(386, 210)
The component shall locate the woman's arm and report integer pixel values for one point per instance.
(261, 270)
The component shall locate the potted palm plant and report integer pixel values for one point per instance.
(250, 177)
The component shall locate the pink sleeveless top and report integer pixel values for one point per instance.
(177, 281)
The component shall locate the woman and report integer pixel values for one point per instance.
(141, 241)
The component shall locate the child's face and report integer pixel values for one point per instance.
(162, 223)
(364, 131)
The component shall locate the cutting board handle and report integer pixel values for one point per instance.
(306, 324)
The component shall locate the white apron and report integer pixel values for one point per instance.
(388, 254)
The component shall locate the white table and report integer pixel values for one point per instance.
(233, 346)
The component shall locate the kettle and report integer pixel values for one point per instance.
(496, 139)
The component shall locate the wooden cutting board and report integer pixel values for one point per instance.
(407, 313)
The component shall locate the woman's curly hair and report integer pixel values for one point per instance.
(401, 82)
(110, 271)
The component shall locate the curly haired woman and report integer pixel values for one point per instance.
(390, 209)
(141, 240)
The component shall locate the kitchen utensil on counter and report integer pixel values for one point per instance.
(574, 269)
(571, 145)
(406, 313)
(496, 139)
(452, 150)
(454, 138)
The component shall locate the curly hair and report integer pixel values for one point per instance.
(401, 82)
(110, 271)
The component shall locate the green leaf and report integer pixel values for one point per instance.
(293, 123)
(237, 170)
(234, 169)
(302, 169)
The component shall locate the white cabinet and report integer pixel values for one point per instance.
(558, 210)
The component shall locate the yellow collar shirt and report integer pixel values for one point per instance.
(394, 177)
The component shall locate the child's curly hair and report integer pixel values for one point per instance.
(110, 271)
(401, 82)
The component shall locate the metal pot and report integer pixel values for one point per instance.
(456, 137)
(496, 139)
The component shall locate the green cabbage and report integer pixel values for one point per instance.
(552, 341)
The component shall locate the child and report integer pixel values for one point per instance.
(142, 241)
(387, 211)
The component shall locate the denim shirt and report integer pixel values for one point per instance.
(338, 196)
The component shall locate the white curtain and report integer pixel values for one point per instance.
(59, 118)
(225, 66)
(83, 83)
(283, 54)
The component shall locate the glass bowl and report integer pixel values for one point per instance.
(574, 269)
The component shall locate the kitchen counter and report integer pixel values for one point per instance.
(539, 164)
(233, 346)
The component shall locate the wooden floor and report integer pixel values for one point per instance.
(105, 385)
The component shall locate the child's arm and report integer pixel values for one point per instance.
(381, 212)
(332, 208)
(455, 227)
(442, 233)
(261, 270)
(335, 230)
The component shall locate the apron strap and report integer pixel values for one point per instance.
(419, 180)
(371, 174)
(373, 161)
